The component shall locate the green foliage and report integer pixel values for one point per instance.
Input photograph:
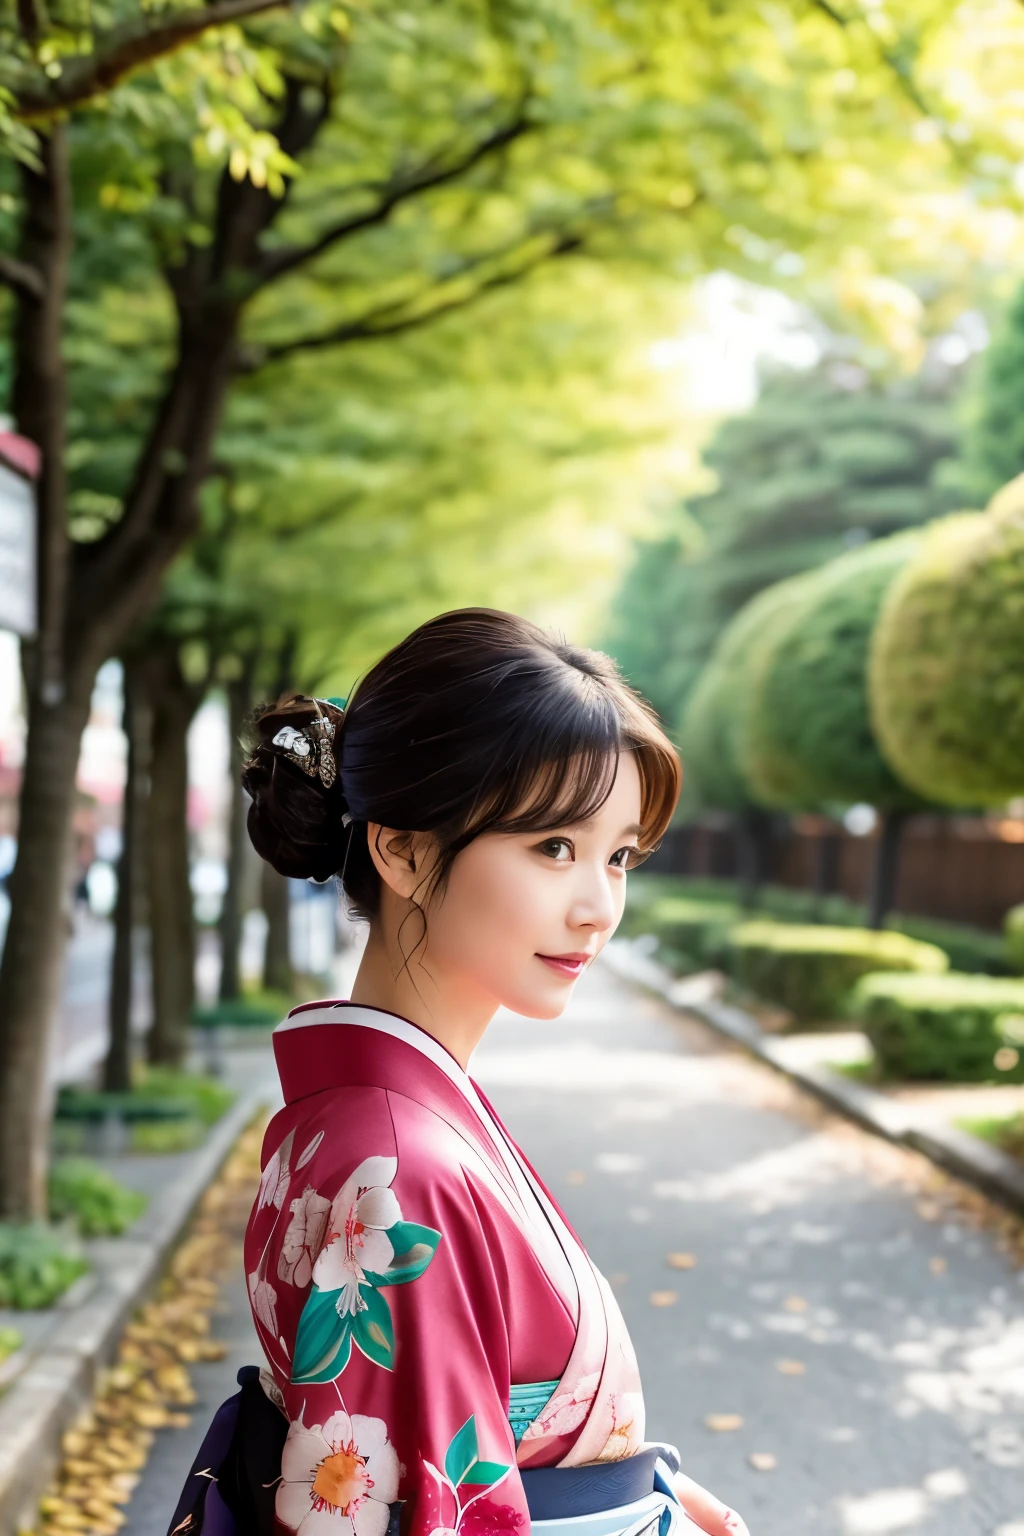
(167, 1110)
(947, 1027)
(1013, 928)
(946, 671)
(994, 440)
(37, 1264)
(96, 1202)
(208, 1098)
(968, 949)
(812, 970)
(808, 738)
(10, 1341)
(692, 934)
(822, 460)
(253, 1010)
(714, 724)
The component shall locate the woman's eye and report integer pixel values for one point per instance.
(553, 846)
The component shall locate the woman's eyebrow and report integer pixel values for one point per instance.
(633, 830)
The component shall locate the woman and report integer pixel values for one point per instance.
(438, 1340)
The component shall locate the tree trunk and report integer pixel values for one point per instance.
(275, 897)
(886, 866)
(239, 706)
(130, 909)
(172, 933)
(827, 847)
(32, 969)
(753, 849)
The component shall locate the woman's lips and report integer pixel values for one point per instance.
(566, 965)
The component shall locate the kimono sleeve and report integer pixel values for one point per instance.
(397, 1382)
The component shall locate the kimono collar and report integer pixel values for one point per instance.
(327, 1045)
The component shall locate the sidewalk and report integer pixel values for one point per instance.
(835, 1346)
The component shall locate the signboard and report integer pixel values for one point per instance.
(19, 464)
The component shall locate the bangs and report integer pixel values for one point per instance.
(566, 771)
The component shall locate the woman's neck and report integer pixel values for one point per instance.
(455, 1019)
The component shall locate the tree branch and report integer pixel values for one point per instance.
(425, 178)
(21, 276)
(394, 319)
(125, 48)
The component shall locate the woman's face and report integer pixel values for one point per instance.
(525, 913)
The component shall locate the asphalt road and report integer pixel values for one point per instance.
(855, 1332)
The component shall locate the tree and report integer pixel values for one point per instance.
(296, 185)
(994, 439)
(807, 742)
(824, 460)
(947, 659)
(714, 727)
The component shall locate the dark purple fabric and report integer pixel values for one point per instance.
(189, 1514)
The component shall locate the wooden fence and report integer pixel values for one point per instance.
(967, 869)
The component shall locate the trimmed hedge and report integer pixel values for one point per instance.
(1013, 929)
(808, 739)
(969, 949)
(812, 970)
(713, 721)
(946, 671)
(944, 1027)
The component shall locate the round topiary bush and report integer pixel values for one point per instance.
(952, 1027)
(807, 736)
(812, 970)
(713, 723)
(946, 670)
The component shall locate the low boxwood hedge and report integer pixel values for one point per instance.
(811, 970)
(952, 1027)
(694, 933)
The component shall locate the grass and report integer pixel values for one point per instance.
(1003, 1131)
(10, 1341)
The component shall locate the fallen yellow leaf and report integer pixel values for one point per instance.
(664, 1298)
(938, 1265)
(762, 1461)
(680, 1260)
(722, 1423)
(790, 1367)
(576, 1176)
(795, 1304)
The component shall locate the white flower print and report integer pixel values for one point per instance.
(305, 1237)
(362, 1211)
(337, 1478)
(309, 1151)
(276, 1176)
(264, 1302)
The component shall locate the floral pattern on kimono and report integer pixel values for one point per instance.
(405, 1267)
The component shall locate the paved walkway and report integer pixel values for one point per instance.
(867, 1333)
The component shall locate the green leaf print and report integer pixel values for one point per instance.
(462, 1463)
(414, 1248)
(373, 1329)
(323, 1340)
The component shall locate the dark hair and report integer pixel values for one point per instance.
(477, 722)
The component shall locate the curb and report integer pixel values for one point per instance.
(975, 1162)
(59, 1381)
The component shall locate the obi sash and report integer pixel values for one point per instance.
(230, 1488)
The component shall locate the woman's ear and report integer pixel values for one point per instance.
(400, 858)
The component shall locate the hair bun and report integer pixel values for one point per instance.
(293, 777)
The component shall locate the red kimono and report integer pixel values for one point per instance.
(431, 1321)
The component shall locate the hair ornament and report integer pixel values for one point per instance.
(311, 747)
